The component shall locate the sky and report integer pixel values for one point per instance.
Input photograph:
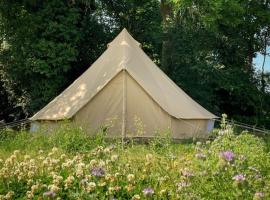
(258, 61)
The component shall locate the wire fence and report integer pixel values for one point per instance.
(16, 124)
(22, 124)
(243, 126)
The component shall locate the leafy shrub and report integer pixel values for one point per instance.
(161, 141)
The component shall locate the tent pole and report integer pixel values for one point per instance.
(124, 108)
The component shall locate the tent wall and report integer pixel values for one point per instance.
(105, 109)
(188, 128)
(46, 125)
(144, 117)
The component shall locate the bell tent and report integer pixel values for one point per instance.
(126, 91)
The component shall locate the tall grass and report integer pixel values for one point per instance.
(70, 164)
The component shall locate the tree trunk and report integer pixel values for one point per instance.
(166, 12)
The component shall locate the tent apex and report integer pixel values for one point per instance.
(124, 35)
(125, 32)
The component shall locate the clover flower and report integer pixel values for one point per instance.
(227, 155)
(148, 191)
(9, 195)
(13, 157)
(50, 154)
(258, 177)
(57, 179)
(136, 197)
(239, 178)
(69, 181)
(129, 187)
(161, 192)
(34, 187)
(67, 164)
(27, 157)
(200, 156)
(130, 177)
(49, 194)
(63, 156)
(198, 143)
(32, 161)
(54, 149)
(111, 147)
(54, 188)
(102, 184)
(242, 158)
(149, 157)
(9, 162)
(80, 165)
(91, 186)
(127, 165)
(117, 174)
(79, 172)
(253, 169)
(183, 184)
(107, 150)
(258, 195)
(98, 171)
(16, 152)
(55, 161)
(114, 157)
(29, 195)
(101, 163)
(186, 173)
(93, 163)
(84, 182)
(30, 174)
(111, 189)
(30, 182)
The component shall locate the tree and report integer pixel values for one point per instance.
(206, 47)
(141, 18)
(48, 45)
(210, 45)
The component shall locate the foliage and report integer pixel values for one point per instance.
(45, 42)
(141, 18)
(44, 166)
(206, 47)
(68, 137)
(10, 107)
(219, 40)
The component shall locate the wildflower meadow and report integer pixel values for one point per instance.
(69, 164)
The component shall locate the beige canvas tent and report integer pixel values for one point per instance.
(125, 90)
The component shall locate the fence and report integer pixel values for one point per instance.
(243, 126)
(16, 124)
(24, 123)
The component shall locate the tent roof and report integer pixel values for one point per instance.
(123, 53)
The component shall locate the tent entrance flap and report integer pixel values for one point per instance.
(124, 105)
